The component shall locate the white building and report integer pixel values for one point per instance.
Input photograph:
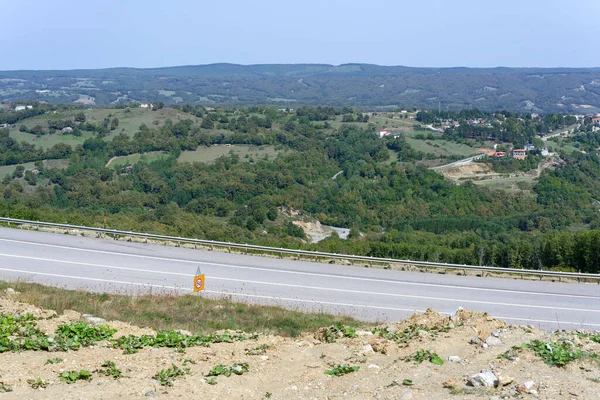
(19, 108)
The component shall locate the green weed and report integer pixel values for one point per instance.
(341, 369)
(557, 354)
(166, 376)
(74, 376)
(237, 369)
(338, 331)
(111, 370)
(422, 355)
(38, 383)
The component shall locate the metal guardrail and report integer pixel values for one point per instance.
(307, 253)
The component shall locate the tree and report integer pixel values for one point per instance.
(80, 117)
(207, 123)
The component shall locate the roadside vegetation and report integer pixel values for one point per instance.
(163, 312)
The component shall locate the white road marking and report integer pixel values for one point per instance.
(271, 297)
(363, 292)
(303, 273)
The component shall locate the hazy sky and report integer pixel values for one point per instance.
(69, 34)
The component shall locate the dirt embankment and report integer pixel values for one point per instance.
(295, 368)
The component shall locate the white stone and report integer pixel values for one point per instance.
(367, 349)
(493, 341)
(90, 319)
(484, 378)
(529, 384)
(373, 366)
(455, 359)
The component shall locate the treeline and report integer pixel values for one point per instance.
(405, 209)
(504, 126)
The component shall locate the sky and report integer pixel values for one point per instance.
(74, 34)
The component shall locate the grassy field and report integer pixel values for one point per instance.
(441, 147)
(246, 152)
(9, 169)
(202, 154)
(135, 158)
(522, 184)
(195, 313)
(558, 144)
(129, 123)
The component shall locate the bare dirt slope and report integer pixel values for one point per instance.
(294, 368)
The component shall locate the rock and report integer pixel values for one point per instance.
(484, 378)
(496, 334)
(304, 343)
(485, 346)
(10, 292)
(264, 358)
(406, 396)
(150, 394)
(505, 380)
(455, 359)
(184, 332)
(493, 341)
(72, 315)
(449, 384)
(454, 313)
(529, 385)
(475, 340)
(483, 334)
(90, 319)
(218, 307)
(379, 345)
(367, 349)
(364, 333)
(374, 366)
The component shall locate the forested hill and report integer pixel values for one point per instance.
(574, 90)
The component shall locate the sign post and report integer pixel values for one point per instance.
(198, 281)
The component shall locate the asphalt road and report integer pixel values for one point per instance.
(366, 293)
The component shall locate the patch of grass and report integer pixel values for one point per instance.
(441, 147)
(341, 369)
(166, 312)
(38, 383)
(403, 338)
(245, 152)
(422, 355)
(4, 388)
(236, 369)
(135, 158)
(475, 391)
(558, 354)
(338, 331)
(257, 351)
(167, 376)
(74, 376)
(174, 339)
(56, 360)
(111, 370)
(9, 169)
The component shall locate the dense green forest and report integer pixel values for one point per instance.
(394, 205)
(294, 85)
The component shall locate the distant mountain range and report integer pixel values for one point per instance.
(362, 85)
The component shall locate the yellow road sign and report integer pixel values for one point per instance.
(198, 281)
